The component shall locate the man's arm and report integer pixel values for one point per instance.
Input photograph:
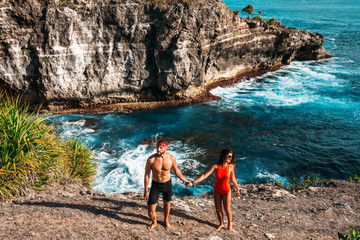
(147, 177)
(177, 171)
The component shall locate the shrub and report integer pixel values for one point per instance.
(236, 12)
(31, 156)
(259, 18)
(273, 21)
(78, 163)
(354, 235)
(354, 179)
(295, 184)
(249, 9)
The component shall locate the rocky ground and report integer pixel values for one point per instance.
(262, 212)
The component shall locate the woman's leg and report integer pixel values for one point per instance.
(227, 202)
(218, 208)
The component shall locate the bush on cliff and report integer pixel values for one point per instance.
(295, 184)
(273, 21)
(30, 154)
(354, 179)
(236, 12)
(249, 9)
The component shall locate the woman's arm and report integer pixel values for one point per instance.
(205, 175)
(233, 180)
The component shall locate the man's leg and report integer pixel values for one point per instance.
(218, 208)
(166, 214)
(152, 216)
(153, 198)
(167, 193)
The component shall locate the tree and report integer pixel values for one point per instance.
(249, 9)
(261, 13)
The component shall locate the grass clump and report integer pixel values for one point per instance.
(354, 179)
(296, 184)
(31, 156)
(354, 235)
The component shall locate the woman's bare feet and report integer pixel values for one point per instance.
(151, 226)
(167, 226)
(219, 227)
(229, 228)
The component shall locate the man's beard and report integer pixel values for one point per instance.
(160, 153)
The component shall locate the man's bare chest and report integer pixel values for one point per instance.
(162, 164)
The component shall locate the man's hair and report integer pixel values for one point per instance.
(162, 141)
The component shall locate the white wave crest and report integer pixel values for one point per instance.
(296, 84)
(125, 171)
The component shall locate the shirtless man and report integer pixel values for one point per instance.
(160, 164)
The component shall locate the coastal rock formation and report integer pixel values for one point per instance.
(85, 53)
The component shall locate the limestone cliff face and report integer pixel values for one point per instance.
(88, 52)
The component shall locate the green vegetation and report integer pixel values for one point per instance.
(354, 179)
(236, 12)
(168, 3)
(257, 17)
(267, 23)
(273, 21)
(249, 9)
(67, 3)
(30, 154)
(301, 183)
(354, 235)
(295, 184)
(47, 65)
(174, 15)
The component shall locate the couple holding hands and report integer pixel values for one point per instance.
(160, 163)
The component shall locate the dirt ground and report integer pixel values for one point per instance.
(262, 212)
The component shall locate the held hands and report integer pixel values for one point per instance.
(188, 183)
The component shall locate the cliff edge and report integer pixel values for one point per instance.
(97, 56)
(262, 212)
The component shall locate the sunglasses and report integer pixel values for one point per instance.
(228, 156)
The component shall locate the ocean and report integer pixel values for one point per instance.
(302, 120)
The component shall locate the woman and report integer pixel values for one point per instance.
(224, 169)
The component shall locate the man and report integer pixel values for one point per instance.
(160, 164)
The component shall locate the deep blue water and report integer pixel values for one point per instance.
(302, 120)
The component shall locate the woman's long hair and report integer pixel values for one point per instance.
(223, 155)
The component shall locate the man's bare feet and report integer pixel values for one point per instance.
(219, 227)
(167, 226)
(151, 226)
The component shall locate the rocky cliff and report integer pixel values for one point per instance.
(262, 212)
(81, 54)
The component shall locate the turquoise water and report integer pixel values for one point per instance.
(302, 120)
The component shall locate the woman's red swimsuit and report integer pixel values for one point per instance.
(222, 176)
